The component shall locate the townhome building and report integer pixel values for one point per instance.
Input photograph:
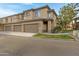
(38, 20)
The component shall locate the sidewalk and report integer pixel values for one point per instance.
(18, 34)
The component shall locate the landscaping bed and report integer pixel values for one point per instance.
(61, 36)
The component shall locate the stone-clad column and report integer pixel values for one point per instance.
(12, 27)
(49, 26)
(41, 27)
(22, 28)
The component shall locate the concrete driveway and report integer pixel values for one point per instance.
(28, 46)
(24, 34)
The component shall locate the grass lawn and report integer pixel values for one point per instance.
(64, 37)
(66, 31)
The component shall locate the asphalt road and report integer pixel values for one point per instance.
(24, 46)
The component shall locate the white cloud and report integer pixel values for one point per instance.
(10, 9)
(6, 12)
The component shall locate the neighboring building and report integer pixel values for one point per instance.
(77, 23)
(37, 20)
(76, 19)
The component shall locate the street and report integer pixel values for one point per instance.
(28, 46)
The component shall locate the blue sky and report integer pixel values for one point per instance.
(7, 9)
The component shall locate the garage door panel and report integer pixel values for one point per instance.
(7, 28)
(31, 28)
(17, 28)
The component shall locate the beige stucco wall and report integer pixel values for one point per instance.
(9, 20)
(44, 12)
(54, 21)
(12, 19)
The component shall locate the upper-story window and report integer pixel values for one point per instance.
(37, 12)
(49, 15)
(1, 20)
(6, 20)
(16, 17)
(27, 14)
(20, 16)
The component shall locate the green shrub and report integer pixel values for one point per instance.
(56, 29)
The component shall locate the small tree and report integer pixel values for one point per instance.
(66, 15)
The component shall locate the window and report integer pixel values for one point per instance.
(6, 20)
(27, 14)
(37, 13)
(1, 20)
(49, 15)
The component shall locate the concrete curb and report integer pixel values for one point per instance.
(18, 34)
